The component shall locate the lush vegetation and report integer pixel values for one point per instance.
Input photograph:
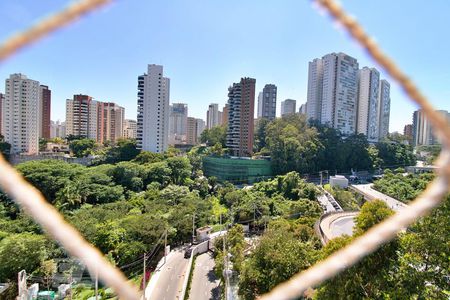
(403, 187)
(296, 145)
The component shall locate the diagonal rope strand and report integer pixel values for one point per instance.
(48, 25)
(387, 230)
(32, 201)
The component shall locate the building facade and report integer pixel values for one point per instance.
(241, 101)
(57, 129)
(178, 118)
(367, 116)
(153, 110)
(129, 129)
(201, 125)
(225, 115)
(267, 102)
(422, 130)
(191, 138)
(288, 107)
(45, 95)
(82, 117)
(332, 91)
(20, 114)
(384, 109)
(408, 133)
(302, 109)
(212, 116)
(315, 86)
(110, 118)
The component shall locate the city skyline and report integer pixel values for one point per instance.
(201, 63)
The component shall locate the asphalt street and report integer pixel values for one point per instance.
(205, 284)
(171, 278)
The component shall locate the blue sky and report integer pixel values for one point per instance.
(206, 45)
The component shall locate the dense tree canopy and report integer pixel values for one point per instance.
(82, 147)
(215, 135)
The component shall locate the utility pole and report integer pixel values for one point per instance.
(320, 172)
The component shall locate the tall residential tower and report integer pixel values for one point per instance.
(241, 101)
(20, 114)
(367, 117)
(153, 110)
(267, 102)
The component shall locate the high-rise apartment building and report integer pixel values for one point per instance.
(212, 116)
(82, 117)
(315, 87)
(225, 115)
(384, 109)
(153, 110)
(332, 91)
(407, 131)
(110, 118)
(191, 129)
(45, 95)
(422, 130)
(201, 125)
(367, 116)
(288, 107)
(267, 102)
(339, 93)
(302, 109)
(57, 129)
(241, 101)
(178, 117)
(129, 129)
(20, 114)
(346, 98)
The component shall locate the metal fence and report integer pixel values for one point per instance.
(51, 221)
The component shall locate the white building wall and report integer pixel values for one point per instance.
(368, 103)
(93, 120)
(20, 114)
(315, 86)
(153, 110)
(384, 108)
(346, 90)
(328, 89)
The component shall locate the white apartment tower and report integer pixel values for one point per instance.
(315, 85)
(332, 91)
(339, 93)
(57, 129)
(20, 114)
(367, 117)
(384, 108)
(212, 116)
(153, 110)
